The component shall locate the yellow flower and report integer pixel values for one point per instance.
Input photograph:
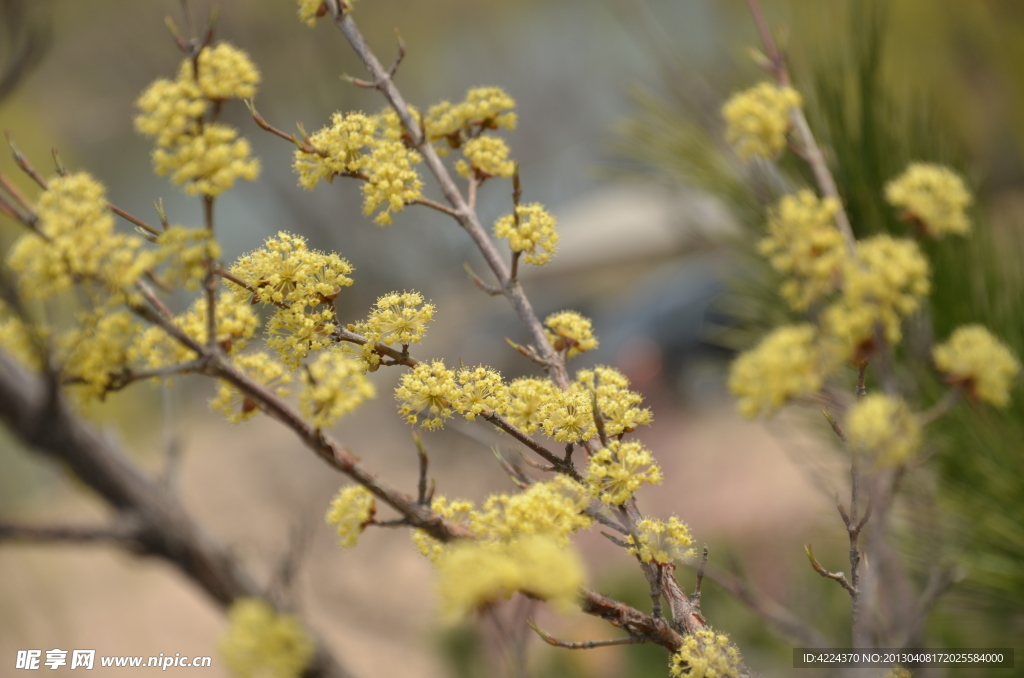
(706, 654)
(885, 426)
(427, 390)
(973, 357)
(555, 509)
(209, 162)
(311, 10)
(170, 109)
(530, 230)
(392, 180)
(17, 341)
(456, 511)
(339, 149)
(617, 471)
(286, 271)
(98, 349)
(757, 119)
(333, 386)
(488, 156)
(619, 407)
(568, 416)
(297, 331)
(932, 195)
(786, 364)
(352, 509)
(662, 541)
(883, 282)
(483, 108)
(527, 397)
(472, 574)
(399, 318)
(260, 643)
(225, 72)
(569, 331)
(262, 369)
(78, 242)
(804, 245)
(480, 392)
(186, 251)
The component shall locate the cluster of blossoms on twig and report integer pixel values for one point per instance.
(855, 294)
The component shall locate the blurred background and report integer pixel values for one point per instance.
(619, 136)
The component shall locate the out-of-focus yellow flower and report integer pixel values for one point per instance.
(97, 349)
(619, 407)
(483, 108)
(786, 364)
(225, 72)
(886, 426)
(486, 155)
(170, 109)
(706, 654)
(530, 230)
(332, 386)
(186, 251)
(757, 119)
(351, 511)
(663, 541)
(428, 391)
(77, 242)
(618, 470)
(262, 369)
(804, 245)
(883, 282)
(260, 643)
(209, 162)
(311, 10)
(934, 196)
(455, 511)
(972, 356)
(569, 331)
(473, 574)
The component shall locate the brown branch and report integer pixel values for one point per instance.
(838, 577)
(23, 163)
(560, 464)
(122, 534)
(584, 644)
(493, 291)
(133, 219)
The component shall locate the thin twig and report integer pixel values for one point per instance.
(835, 576)
(584, 644)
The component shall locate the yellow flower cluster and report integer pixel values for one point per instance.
(366, 147)
(933, 196)
(285, 271)
(186, 251)
(262, 369)
(397, 318)
(311, 10)
(427, 390)
(297, 331)
(804, 245)
(480, 392)
(76, 242)
(486, 155)
(554, 509)
(260, 643)
(483, 108)
(706, 654)
(333, 386)
(973, 357)
(571, 332)
(619, 407)
(619, 469)
(236, 323)
(473, 574)
(885, 426)
(788, 363)
(208, 162)
(97, 349)
(527, 397)
(352, 509)
(206, 155)
(16, 339)
(757, 119)
(530, 230)
(568, 416)
(661, 541)
(883, 282)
